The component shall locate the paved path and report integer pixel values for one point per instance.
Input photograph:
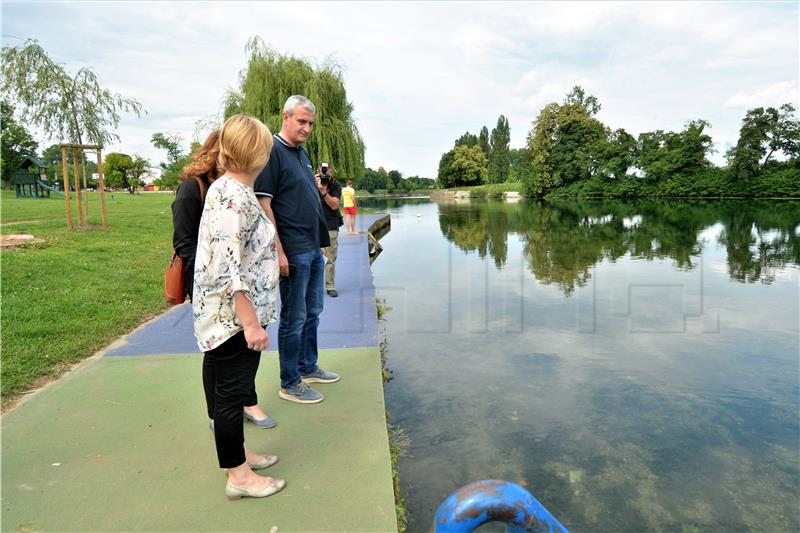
(121, 443)
(348, 321)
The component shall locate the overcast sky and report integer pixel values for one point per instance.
(421, 74)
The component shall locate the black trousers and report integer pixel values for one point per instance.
(229, 373)
(209, 384)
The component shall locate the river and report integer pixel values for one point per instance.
(635, 365)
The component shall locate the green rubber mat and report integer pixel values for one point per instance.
(123, 444)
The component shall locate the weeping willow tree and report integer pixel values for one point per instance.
(65, 107)
(271, 78)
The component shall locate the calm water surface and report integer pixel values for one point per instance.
(635, 365)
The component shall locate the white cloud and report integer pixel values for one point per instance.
(774, 95)
(420, 74)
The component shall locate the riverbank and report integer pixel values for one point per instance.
(494, 190)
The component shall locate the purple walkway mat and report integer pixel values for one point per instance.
(349, 321)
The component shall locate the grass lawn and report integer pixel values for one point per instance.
(64, 299)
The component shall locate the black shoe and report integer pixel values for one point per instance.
(332, 293)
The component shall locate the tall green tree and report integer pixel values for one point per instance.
(396, 178)
(784, 132)
(66, 107)
(176, 158)
(116, 168)
(467, 139)
(617, 155)
(469, 166)
(566, 142)
(52, 155)
(171, 143)
(499, 151)
(763, 133)
(446, 177)
(15, 142)
(139, 167)
(271, 78)
(578, 97)
(374, 180)
(662, 155)
(483, 141)
(519, 160)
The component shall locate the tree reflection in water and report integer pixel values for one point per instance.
(563, 241)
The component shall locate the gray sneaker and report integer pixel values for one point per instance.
(320, 376)
(301, 393)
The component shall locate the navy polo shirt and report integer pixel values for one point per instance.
(289, 179)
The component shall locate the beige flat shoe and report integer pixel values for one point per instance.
(266, 462)
(235, 492)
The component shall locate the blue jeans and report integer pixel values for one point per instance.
(302, 298)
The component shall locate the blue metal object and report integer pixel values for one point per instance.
(494, 501)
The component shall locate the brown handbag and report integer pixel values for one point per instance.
(174, 284)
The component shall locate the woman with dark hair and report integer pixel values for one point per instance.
(196, 178)
(187, 208)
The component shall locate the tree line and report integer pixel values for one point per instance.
(569, 152)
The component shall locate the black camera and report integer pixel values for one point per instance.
(324, 178)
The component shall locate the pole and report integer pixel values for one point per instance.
(77, 184)
(85, 186)
(101, 183)
(66, 185)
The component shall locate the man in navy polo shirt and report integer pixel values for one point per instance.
(287, 191)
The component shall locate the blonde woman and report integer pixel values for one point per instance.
(186, 212)
(235, 280)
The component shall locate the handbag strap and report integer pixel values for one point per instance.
(202, 189)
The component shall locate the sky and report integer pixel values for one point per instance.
(420, 74)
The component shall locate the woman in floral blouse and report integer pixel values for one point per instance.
(186, 212)
(236, 274)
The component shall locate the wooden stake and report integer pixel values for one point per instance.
(85, 187)
(77, 184)
(101, 183)
(66, 185)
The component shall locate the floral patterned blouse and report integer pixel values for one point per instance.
(235, 252)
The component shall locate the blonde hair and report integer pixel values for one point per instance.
(244, 144)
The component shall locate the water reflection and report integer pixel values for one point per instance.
(563, 241)
(634, 364)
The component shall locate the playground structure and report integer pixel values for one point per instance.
(29, 179)
(81, 196)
